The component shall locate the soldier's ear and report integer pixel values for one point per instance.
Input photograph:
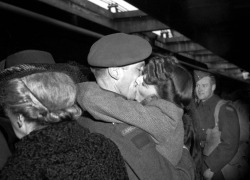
(213, 87)
(115, 72)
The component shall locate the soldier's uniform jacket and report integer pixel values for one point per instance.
(230, 132)
(143, 161)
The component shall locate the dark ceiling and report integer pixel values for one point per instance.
(219, 25)
(212, 35)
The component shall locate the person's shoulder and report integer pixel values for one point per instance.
(229, 108)
(93, 139)
(86, 85)
(101, 140)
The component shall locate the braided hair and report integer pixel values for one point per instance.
(44, 98)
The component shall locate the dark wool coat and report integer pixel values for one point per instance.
(5, 151)
(65, 151)
(7, 140)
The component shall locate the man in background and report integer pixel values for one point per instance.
(228, 125)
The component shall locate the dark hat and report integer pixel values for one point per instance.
(28, 62)
(29, 56)
(22, 70)
(118, 49)
(200, 74)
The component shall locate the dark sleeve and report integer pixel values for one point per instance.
(109, 157)
(4, 150)
(162, 169)
(185, 169)
(230, 134)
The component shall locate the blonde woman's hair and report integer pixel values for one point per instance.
(44, 98)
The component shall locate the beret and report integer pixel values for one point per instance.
(29, 56)
(118, 49)
(200, 74)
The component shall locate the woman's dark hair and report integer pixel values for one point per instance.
(172, 81)
(192, 139)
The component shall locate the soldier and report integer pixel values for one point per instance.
(228, 124)
(116, 61)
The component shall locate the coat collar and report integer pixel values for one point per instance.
(211, 102)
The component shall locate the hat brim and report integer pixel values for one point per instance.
(19, 71)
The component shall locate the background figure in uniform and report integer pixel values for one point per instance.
(228, 126)
(41, 105)
(164, 89)
(117, 61)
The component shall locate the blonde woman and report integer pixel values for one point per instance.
(41, 107)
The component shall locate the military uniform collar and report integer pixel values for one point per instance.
(211, 102)
(116, 94)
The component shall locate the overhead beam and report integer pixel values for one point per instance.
(187, 60)
(84, 9)
(181, 46)
(128, 22)
(179, 39)
(209, 58)
(133, 24)
(129, 14)
(231, 71)
(221, 65)
(201, 52)
(234, 75)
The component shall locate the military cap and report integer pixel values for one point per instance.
(200, 74)
(118, 49)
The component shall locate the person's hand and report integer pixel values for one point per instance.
(208, 174)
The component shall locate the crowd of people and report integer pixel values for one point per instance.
(143, 116)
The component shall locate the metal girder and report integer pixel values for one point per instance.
(221, 65)
(208, 58)
(174, 39)
(182, 46)
(201, 52)
(84, 9)
(128, 23)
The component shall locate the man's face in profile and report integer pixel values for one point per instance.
(128, 80)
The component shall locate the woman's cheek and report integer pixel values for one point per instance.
(140, 95)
